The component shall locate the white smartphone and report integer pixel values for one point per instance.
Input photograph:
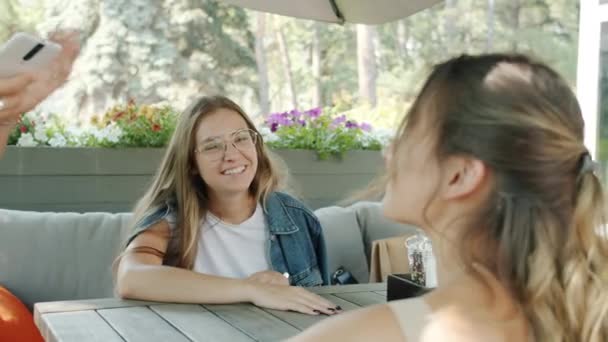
(26, 53)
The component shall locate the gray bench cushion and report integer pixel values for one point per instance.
(344, 244)
(374, 226)
(59, 256)
(64, 256)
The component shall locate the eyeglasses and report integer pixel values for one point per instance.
(214, 148)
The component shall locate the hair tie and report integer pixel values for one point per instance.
(587, 164)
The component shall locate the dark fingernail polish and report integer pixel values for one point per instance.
(331, 309)
(316, 311)
(338, 307)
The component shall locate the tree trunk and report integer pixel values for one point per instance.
(287, 66)
(490, 17)
(450, 24)
(402, 38)
(260, 58)
(317, 95)
(366, 63)
(515, 11)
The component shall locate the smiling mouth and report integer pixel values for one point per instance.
(234, 171)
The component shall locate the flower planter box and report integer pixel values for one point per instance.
(96, 179)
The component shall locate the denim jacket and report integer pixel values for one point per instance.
(296, 245)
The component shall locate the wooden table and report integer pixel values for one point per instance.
(112, 319)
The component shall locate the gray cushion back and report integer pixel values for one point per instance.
(59, 256)
(374, 226)
(344, 244)
(65, 256)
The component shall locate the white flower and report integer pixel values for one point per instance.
(383, 136)
(110, 133)
(58, 140)
(40, 134)
(39, 117)
(114, 134)
(268, 135)
(76, 135)
(26, 140)
(32, 116)
(74, 131)
(96, 133)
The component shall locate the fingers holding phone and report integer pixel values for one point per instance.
(11, 96)
(47, 79)
(31, 69)
(70, 47)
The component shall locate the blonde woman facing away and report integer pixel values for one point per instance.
(213, 229)
(491, 164)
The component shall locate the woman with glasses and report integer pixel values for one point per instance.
(212, 227)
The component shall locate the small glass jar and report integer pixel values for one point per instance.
(421, 259)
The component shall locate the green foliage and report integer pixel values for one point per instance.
(223, 42)
(326, 132)
(15, 16)
(132, 125)
(217, 41)
(407, 49)
(127, 125)
(24, 125)
(141, 126)
(325, 142)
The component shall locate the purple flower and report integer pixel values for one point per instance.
(350, 124)
(366, 127)
(274, 126)
(295, 114)
(272, 118)
(339, 120)
(313, 113)
(302, 122)
(279, 119)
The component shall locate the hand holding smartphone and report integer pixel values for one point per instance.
(26, 53)
(31, 69)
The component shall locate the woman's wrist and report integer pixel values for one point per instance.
(247, 289)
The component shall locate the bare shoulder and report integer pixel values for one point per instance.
(471, 312)
(376, 323)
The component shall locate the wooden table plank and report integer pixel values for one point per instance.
(302, 321)
(88, 304)
(344, 304)
(253, 321)
(141, 324)
(113, 319)
(298, 320)
(362, 298)
(198, 324)
(109, 303)
(349, 288)
(77, 326)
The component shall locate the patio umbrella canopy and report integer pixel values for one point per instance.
(371, 12)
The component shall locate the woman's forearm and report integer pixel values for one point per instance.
(172, 284)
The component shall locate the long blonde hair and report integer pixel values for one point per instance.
(177, 182)
(543, 230)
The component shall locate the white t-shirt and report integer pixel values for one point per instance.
(234, 251)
